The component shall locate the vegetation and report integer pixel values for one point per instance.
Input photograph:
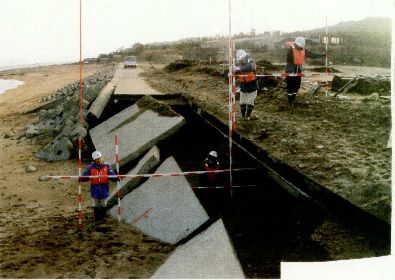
(366, 42)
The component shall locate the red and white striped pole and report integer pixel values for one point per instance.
(118, 183)
(231, 97)
(80, 199)
(187, 173)
(326, 55)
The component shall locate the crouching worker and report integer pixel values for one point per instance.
(99, 186)
(211, 164)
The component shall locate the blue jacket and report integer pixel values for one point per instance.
(98, 190)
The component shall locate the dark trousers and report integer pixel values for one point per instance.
(293, 84)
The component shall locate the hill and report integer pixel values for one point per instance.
(366, 43)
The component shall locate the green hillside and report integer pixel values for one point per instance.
(366, 42)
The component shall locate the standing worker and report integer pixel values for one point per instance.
(246, 69)
(99, 186)
(295, 59)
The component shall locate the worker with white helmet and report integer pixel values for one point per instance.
(211, 163)
(99, 185)
(246, 70)
(295, 59)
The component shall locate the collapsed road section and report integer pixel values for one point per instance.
(268, 218)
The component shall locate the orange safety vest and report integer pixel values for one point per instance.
(212, 177)
(99, 172)
(299, 56)
(247, 77)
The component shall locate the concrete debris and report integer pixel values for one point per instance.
(373, 97)
(43, 178)
(166, 209)
(31, 131)
(30, 168)
(361, 84)
(102, 99)
(144, 166)
(60, 116)
(151, 120)
(209, 255)
(9, 134)
(78, 131)
(61, 148)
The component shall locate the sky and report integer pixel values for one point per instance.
(39, 31)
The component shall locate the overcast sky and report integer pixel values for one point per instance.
(48, 30)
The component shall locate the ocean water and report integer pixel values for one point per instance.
(9, 84)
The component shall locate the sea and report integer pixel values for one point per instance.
(9, 84)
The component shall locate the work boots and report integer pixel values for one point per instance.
(103, 212)
(249, 111)
(291, 98)
(96, 212)
(243, 109)
(100, 213)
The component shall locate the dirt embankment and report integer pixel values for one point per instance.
(39, 237)
(341, 143)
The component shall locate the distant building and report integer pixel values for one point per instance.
(90, 60)
(330, 40)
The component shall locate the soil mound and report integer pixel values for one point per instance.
(178, 65)
(323, 70)
(267, 65)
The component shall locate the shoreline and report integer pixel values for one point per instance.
(33, 65)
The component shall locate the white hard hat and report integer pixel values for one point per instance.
(96, 155)
(300, 41)
(213, 154)
(240, 54)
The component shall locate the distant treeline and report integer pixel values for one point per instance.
(366, 42)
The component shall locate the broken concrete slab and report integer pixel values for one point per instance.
(139, 127)
(165, 208)
(102, 99)
(209, 255)
(144, 166)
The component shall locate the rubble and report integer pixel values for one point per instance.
(59, 117)
(30, 168)
(151, 120)
(361, 84)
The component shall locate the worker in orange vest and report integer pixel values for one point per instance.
(211, 164)
(99, 185)
(246, 69)
(296, 56)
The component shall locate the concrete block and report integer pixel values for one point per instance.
(59, 149)
(102, 99)
(144, 166)
(139, 128)
(165, 208)
(209, 255)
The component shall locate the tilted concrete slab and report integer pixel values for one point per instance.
(102, 99)
(144, 166)
(130, 83)
(139, 127)
(165, 208)
(208, 255)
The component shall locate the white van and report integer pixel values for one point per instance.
(130, 61)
